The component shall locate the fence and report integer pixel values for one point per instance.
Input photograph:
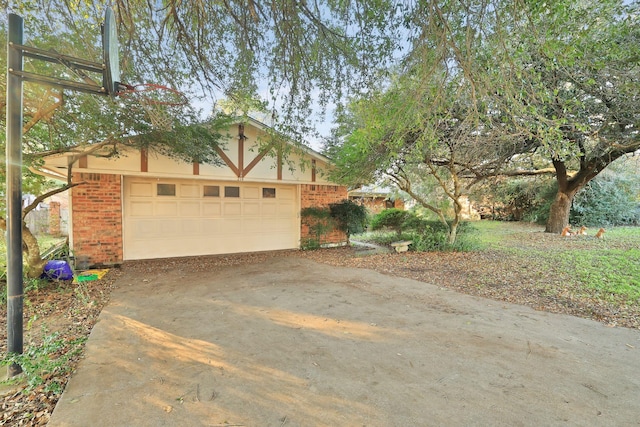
(49, 219)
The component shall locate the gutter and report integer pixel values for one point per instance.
(49, 173)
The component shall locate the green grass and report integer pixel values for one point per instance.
(613, 272)
(609, 267)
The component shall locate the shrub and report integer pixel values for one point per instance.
(393, 219)
(607, 200)
(398, 221)
(429, 236)
(346, 216)
(350, 217)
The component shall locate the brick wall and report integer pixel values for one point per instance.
(97, 218)
(54, 219)
(313, 195)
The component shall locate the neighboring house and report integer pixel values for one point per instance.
(49, 216)
(143, 205)
(376, 199)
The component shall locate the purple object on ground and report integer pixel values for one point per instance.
(57, 270)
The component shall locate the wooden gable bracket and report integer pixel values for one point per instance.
(237, 170)
(313, 170)
(228, 161)
(144, 160)
(255, 161)
(240, 171)
(241, 138)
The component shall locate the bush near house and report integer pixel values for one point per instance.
(350, 217)
(393, 219)
(346, 216)
(392, 225)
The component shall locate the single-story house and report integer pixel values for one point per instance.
(142, 205)
(375, 198)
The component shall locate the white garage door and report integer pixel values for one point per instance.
(170, 218)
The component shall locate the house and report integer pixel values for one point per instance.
(376, 199)
(142, 205)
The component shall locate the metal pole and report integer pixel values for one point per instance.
(15, 297)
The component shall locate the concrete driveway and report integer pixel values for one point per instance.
(290, 342)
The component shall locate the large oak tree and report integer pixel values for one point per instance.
(573, 70)
(545, 80)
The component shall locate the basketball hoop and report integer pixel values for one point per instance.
(161, 103)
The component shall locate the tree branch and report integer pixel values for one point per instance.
(43, 113)
(46, 195)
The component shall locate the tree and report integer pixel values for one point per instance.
(240, 49)
(552, 87)
(433, 121)
(575, 65)
(611, 198)
(412, 138)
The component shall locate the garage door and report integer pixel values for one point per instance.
(170, 218)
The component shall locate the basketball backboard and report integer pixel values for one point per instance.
(111, 54)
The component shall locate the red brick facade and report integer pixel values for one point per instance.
(97, 218)
(314, 195)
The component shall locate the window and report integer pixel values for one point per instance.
(268, 193)
(231, 191)
(211, 191)
(166, 190)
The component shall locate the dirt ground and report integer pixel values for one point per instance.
(286, 341)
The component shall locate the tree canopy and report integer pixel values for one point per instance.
(302, 54)
(515, 88)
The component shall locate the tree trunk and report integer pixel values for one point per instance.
(35, 263)
(559, 211)
(453, 232)
(453, 227)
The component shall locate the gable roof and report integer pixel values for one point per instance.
(241, 159)
(268, 128)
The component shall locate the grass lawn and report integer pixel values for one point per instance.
(610, 266)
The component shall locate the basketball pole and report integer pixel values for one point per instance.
(16, 76)
(15, 294)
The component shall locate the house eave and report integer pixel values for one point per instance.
(306, 149)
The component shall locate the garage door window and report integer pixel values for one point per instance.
(268, 193)
(211, 191)
(166, 189)
(231, 191)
